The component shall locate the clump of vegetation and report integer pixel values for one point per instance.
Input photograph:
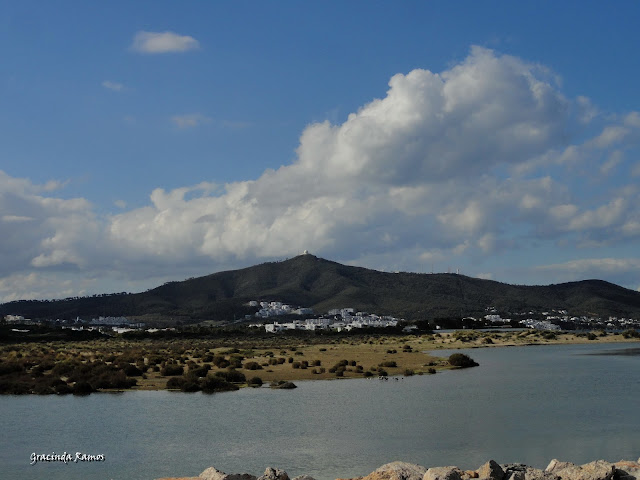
(255, 382)
(232, 376)
(208, 384)
(388, 363)
(172, 370)
(460, 360)
(283, 385)
(252, 366)
(631, 333)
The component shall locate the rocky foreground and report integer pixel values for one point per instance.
(556, 470)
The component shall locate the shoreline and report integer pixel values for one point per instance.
(491, 470)
(56, 367)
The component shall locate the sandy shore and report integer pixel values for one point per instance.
(415, 354)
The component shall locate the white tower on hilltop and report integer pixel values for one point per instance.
(306, 252)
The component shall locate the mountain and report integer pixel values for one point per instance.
(321, 284)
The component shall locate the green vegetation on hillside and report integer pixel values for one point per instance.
(322, 285)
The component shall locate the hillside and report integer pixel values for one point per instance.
(314, 282)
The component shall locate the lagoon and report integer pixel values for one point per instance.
(523, 404)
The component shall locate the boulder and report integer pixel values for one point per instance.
(398, 471)
(627, 470)
(395, 471)
(443, 473)
(597, 470)
(556, 465)
(213, 473)
(519, 471)
(273, 474)
(490, 471)
(303, 477)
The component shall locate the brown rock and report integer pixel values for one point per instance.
(398, 471)
(443, 473)
(490, 471)
(273, 474)
(213, 473)
(555, 465)
(626, 470)
(395, 471)
(598, 470)
(519, 471)
(471, 474)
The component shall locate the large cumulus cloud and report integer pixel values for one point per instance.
(485, 156)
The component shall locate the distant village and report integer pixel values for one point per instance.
(342, 319)
(346, 319)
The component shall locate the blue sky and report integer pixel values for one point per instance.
(150, 141)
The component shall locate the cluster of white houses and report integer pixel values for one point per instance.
(274, 309)
(342, 319)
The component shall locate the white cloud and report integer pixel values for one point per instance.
(163, 42)
(189, 120)
(612, 162)
(16, 219)
(116, 87)
(420, 175)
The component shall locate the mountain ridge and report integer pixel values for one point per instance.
(321, 284)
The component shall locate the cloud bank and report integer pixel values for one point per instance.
(484, 158)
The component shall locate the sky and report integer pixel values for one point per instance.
(149, 141)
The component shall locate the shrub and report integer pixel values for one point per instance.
(368, 374)
(200, 371)
(232, 376)
(212, 384)
(171, 370)
(631, 333)
(408, 372)
(382, 373)
(252, 366)
(83, 388)
(132, 371)
(388, 363)
(431, 370)
(176, 383)
(235, 361)
(461, 360)
(255, 382)
(592, 336)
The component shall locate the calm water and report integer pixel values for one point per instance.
(525, 404)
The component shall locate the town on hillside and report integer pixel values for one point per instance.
(276, 316)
